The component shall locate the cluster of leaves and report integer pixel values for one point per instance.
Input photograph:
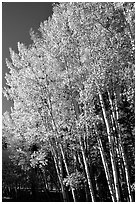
(75, 180)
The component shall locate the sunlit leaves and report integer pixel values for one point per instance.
(76, 180)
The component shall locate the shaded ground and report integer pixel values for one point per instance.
(48, 196)
(25, 196)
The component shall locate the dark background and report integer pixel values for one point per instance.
(17, 20)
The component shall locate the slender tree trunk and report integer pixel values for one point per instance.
(116, 140)
(58, 173)
(86, 192)
(62, 152)
(64, 160)
(122, 150)
(85, 160)
(87, 171)
(106, 168)
(44, 179)
(110, 139)
(86, 127)
(86, 187)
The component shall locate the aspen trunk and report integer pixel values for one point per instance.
(116, 140)
(44, 179)
(66, 167)
(61, 173)
(86, 127)
(84, 156)
(122, 150)
(106, 168)
(86, 193)
(84, 160)
(58, 173)
(112, 155)
(62, 152)
(87, 172)
(86, 188)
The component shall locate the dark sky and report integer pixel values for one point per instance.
(17, 19)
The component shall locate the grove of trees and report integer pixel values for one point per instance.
(72, 123)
